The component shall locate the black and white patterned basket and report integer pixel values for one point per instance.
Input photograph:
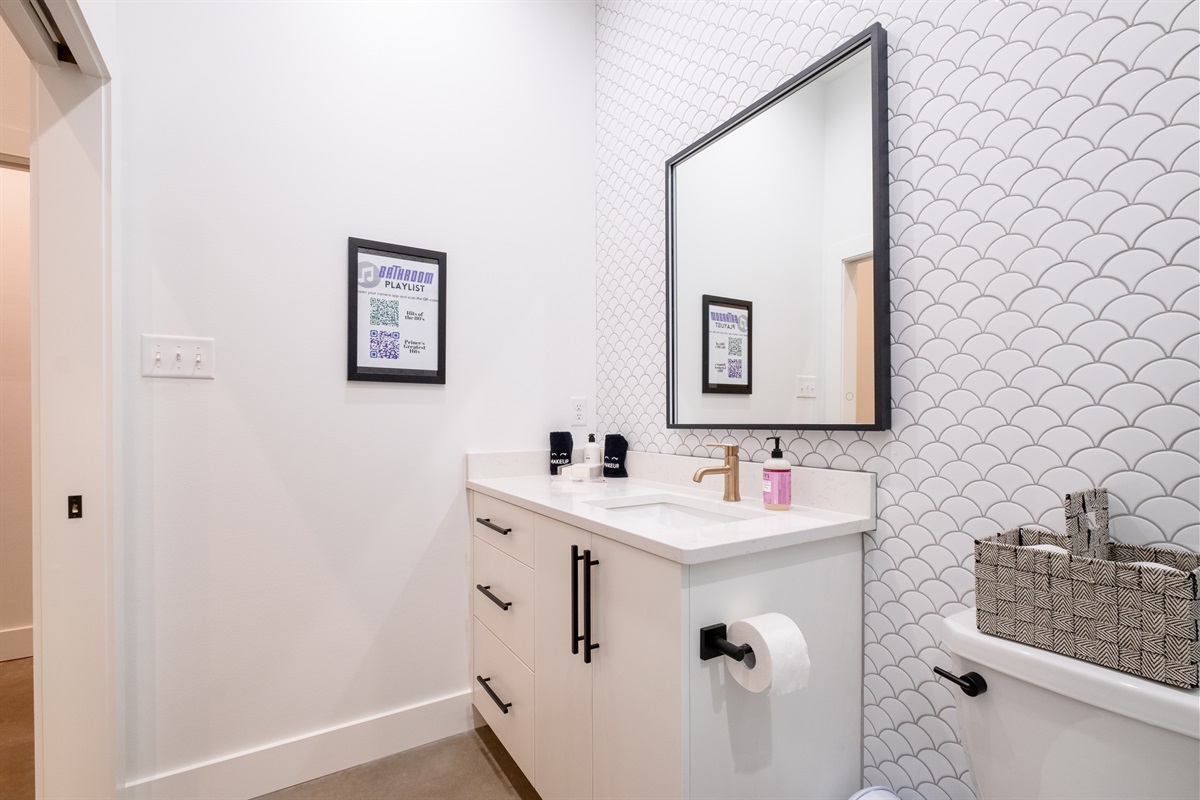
(1093, 602)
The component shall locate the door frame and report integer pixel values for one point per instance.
(78, 684)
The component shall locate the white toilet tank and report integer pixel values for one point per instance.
(1049, 726)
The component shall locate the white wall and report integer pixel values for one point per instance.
(16, 465)
(296, 544)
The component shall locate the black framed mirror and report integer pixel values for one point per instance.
(785, 207)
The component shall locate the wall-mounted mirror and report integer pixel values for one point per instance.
(777, 256)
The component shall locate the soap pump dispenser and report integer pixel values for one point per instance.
(591, 451)
(777, 480)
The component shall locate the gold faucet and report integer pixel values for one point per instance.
(731, 471)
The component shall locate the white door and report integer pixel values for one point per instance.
(74, 678)
(563, 729)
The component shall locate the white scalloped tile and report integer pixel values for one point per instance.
(1045, 296)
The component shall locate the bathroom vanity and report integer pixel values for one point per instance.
(588, 600)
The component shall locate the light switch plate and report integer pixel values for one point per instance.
(806, 386)
(178, 357)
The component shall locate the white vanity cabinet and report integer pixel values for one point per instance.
(609, 722)
(640, 715)
(502, 635)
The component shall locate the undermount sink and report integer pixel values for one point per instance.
(677, 511)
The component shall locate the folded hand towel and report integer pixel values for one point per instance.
(561, 446)
(615, 450)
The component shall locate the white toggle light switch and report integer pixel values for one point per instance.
(178, 357)
(806, 386)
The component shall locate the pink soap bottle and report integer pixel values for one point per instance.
(777, 480)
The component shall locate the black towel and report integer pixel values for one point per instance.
(561, 446)
(615, 448)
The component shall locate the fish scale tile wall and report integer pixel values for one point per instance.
(1045, 316)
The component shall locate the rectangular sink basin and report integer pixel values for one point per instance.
(676, 511)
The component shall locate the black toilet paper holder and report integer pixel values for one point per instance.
(714, 644)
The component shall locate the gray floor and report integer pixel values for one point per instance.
(469, 766)
(16, 729)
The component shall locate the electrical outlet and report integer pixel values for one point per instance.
(806, 386)
(578, 412)
(178, 357)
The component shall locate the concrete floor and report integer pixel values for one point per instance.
(16, 729)
(469, 766)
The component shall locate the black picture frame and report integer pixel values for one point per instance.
(413, 277)
(873, 40)
(747, 357)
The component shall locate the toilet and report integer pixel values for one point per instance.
(1049, 726)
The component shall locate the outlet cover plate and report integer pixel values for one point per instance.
(178, 357)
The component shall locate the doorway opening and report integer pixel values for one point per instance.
(858, 337)
(17, 768)
(75, 653)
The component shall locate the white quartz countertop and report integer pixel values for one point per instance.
(576, 503)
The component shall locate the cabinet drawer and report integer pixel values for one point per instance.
(512, 682)
(511, 582)
(518, 522)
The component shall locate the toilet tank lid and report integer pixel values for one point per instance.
(1142, 699)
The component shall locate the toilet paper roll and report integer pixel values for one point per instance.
(779, 663)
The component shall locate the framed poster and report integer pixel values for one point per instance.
(397, 328)
(728, 355)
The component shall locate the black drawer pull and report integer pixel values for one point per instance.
(487, 523)
(484, 683)
(503, 605)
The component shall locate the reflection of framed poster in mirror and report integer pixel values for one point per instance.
(397, 321)
(726, 349)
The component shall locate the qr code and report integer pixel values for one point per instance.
(385, 312)
(735, 368)
(385, 344)
(735, 345)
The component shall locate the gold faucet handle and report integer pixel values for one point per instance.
(730, 449)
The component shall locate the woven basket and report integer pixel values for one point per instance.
(1100, 607)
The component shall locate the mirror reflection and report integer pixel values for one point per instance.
(774, 316)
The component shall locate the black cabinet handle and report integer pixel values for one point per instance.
(972, 683)
(484, 683)
(575, 637)
(487, 523)
(588, 647)
(503, 605)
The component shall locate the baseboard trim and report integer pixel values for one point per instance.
(16, 643)
(302, 758)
